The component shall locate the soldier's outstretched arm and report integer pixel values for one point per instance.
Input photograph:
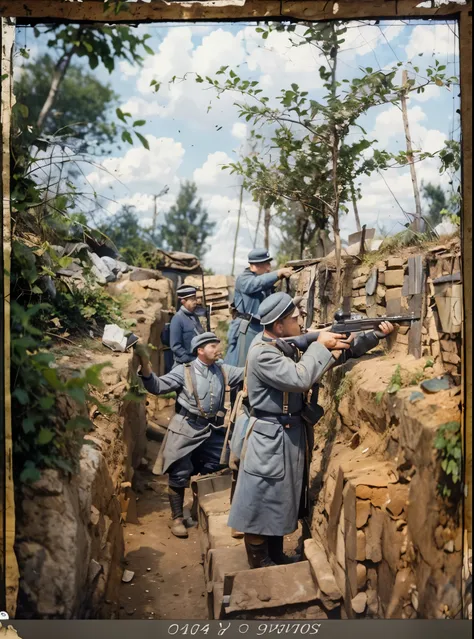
(282, 373)
(172, 381)
(235, 374)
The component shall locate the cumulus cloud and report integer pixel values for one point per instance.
(140, 168)
(211, 177)
(239, 130)
(431, 40)
(389, 129)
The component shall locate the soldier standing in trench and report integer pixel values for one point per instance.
(267, 498)
(195, 436)
(251, 288)
(185, 325)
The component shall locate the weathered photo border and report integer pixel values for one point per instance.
(22, 12)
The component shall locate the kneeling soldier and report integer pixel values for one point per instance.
(195, 437)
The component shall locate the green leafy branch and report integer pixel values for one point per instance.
(448, 443)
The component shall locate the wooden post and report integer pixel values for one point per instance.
(238, 228)
(8, 563)
(356, 210)
(258, 225)
(416, 190)
(266, 222)
(155, 215)
(465, 40)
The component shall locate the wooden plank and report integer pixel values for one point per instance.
(272, 587)
(9, 566)
(415, 305)
(415, 275)
(465, 39)
(166, 10)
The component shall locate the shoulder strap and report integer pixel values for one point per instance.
(286, 395)
(191, 386)
(244, 391)
(227, 404)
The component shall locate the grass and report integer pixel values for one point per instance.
(390, 245)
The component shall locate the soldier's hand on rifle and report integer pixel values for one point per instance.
(333, 341)
(385, 328)
(285, 273)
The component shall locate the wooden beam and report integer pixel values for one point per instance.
(7, 38)
(195, 10)
(465, 39)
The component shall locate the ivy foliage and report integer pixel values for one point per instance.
(50, 405)
(448, 443)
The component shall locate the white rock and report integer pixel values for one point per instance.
(127, 576)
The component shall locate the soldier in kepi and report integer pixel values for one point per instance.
(185, 325)
(251, 288)
(269, 489)
(195, 436)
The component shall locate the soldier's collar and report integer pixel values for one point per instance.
(203, 368)
(185, 311)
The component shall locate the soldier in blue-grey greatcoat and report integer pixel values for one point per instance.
(268, 493)
(196, 434)
(185, 325)
(251, 288)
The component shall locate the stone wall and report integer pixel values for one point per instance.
(69, 537)
(392, 541)
(427, 282)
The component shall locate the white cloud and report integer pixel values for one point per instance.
(431, 40)
(359, 40)
(141, 169)
(389, 129)
(129, 70)
(211, 177)
(239, 130)
(143, 108)
(431, 92)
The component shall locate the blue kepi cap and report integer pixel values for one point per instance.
(277, 306)
(201, 340)
(185, 290)
(259, 256)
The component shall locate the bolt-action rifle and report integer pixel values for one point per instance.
(347, 323)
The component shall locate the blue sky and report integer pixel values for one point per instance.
(189, 142)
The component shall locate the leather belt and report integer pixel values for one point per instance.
(292, 419)
(199, 420)
(248, 317)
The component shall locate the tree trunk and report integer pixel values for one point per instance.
(416, 191)
(335, 177)
(258, 225)
(356, 210)
(237, 229)
(303, 238)
(155, 215)
(58, 76)
(266, 222)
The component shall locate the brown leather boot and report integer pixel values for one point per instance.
(257, 553)
(178, 528)
(275, 551)
(176, 525)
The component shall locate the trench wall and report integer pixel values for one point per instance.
(386, 514)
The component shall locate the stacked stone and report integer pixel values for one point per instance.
(382, 289)
(219, 292)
